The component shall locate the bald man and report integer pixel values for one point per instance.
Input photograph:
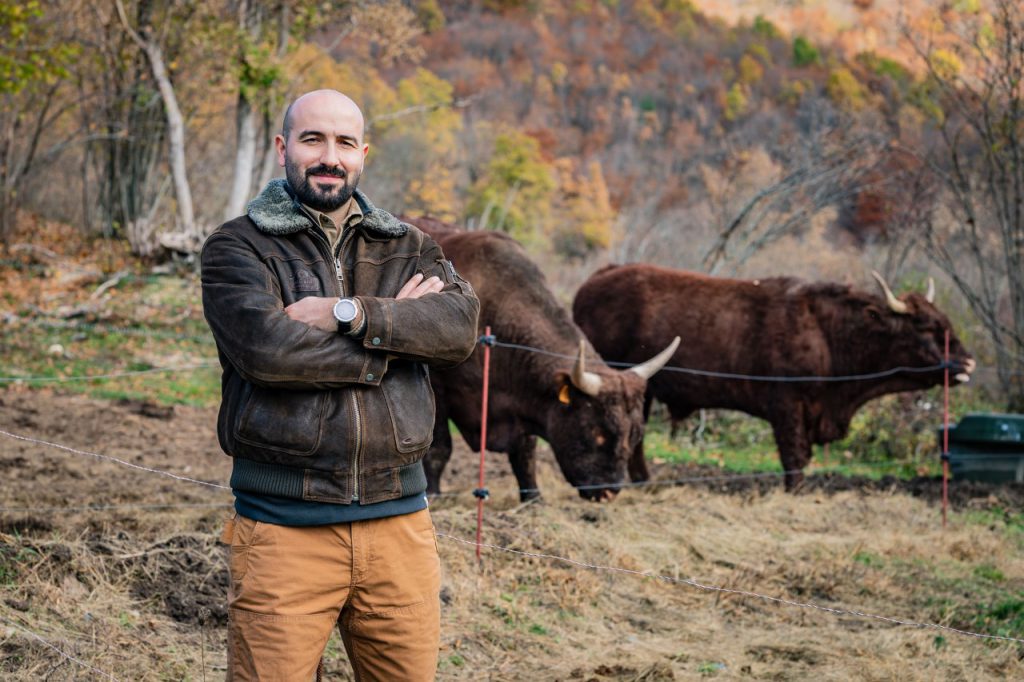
(327, 313)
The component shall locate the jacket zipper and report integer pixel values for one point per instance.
(352, 394)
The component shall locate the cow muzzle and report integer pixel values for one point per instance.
(599, 494)
(969, 367)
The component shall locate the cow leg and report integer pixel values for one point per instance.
(637, 465)
(794, 448)
(638, 472)
(440, 450)
(523, 458)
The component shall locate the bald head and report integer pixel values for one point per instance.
(330, 101)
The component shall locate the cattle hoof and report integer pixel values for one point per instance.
(795, 484)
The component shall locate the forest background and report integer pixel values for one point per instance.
(817, 139)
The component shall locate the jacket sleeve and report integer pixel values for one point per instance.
(243, 305)
(437, 329)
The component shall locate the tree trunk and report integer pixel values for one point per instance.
(245, 158)
(145, 234)
(176, 137)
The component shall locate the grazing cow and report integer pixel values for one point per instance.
(591, 415)
(771, 327)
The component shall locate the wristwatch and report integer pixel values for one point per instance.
(345, 312)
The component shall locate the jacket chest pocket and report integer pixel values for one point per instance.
(300, 278)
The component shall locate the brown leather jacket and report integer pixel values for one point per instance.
(317, 415)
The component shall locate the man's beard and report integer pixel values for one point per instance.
(309, 194)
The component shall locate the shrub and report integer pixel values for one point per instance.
(805, 54)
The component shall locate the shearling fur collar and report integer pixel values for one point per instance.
(275, 212)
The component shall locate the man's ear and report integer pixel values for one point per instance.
(279, 144)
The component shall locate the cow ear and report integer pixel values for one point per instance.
(563, 380)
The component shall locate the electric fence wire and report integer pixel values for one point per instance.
(581, 564)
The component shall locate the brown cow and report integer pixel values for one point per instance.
(771, 327)
(591, 415)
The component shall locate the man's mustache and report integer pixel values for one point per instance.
(327, 170)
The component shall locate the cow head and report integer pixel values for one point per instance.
(598, 422)
(916, 331)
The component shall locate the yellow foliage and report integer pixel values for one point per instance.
(648, 14)
(559, 72)
(736, 103)
(311, 68)
(947, 65)
(429, 15)
(584, 219)
(844, 89)
(514, 192)
(751, 71)
(433, 195)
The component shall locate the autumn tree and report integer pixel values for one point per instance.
(34, 58)
(514, 192)
(976, 232)
(265, 34)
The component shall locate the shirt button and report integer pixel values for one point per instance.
(376, 341)
(369, 377)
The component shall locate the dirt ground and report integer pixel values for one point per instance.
(119, 568)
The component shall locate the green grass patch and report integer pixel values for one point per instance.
(1010, 521)
(964, 595)
(153, 324)
(868, 559)
(895, 435)
(1003, 618)
(738, 443)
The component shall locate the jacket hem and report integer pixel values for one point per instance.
(324, 486)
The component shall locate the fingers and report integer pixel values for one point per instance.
(417, 286)
(410, 285)
(430, 286)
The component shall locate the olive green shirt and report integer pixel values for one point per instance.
(352, 215)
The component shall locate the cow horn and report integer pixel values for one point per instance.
(588, 382)
(930, 295)
(647, 369)
(896, 304)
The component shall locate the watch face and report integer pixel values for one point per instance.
(345, 310)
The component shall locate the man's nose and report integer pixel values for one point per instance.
(330, 156)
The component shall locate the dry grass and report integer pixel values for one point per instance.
(139, 594)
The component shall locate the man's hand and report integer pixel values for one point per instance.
(317, 311)
(417, 286)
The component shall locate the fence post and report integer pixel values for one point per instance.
(481, 493)
(945, 436)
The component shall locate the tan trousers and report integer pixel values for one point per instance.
(379, 580)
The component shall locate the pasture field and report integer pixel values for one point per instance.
(112, 569)
(136, 590)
